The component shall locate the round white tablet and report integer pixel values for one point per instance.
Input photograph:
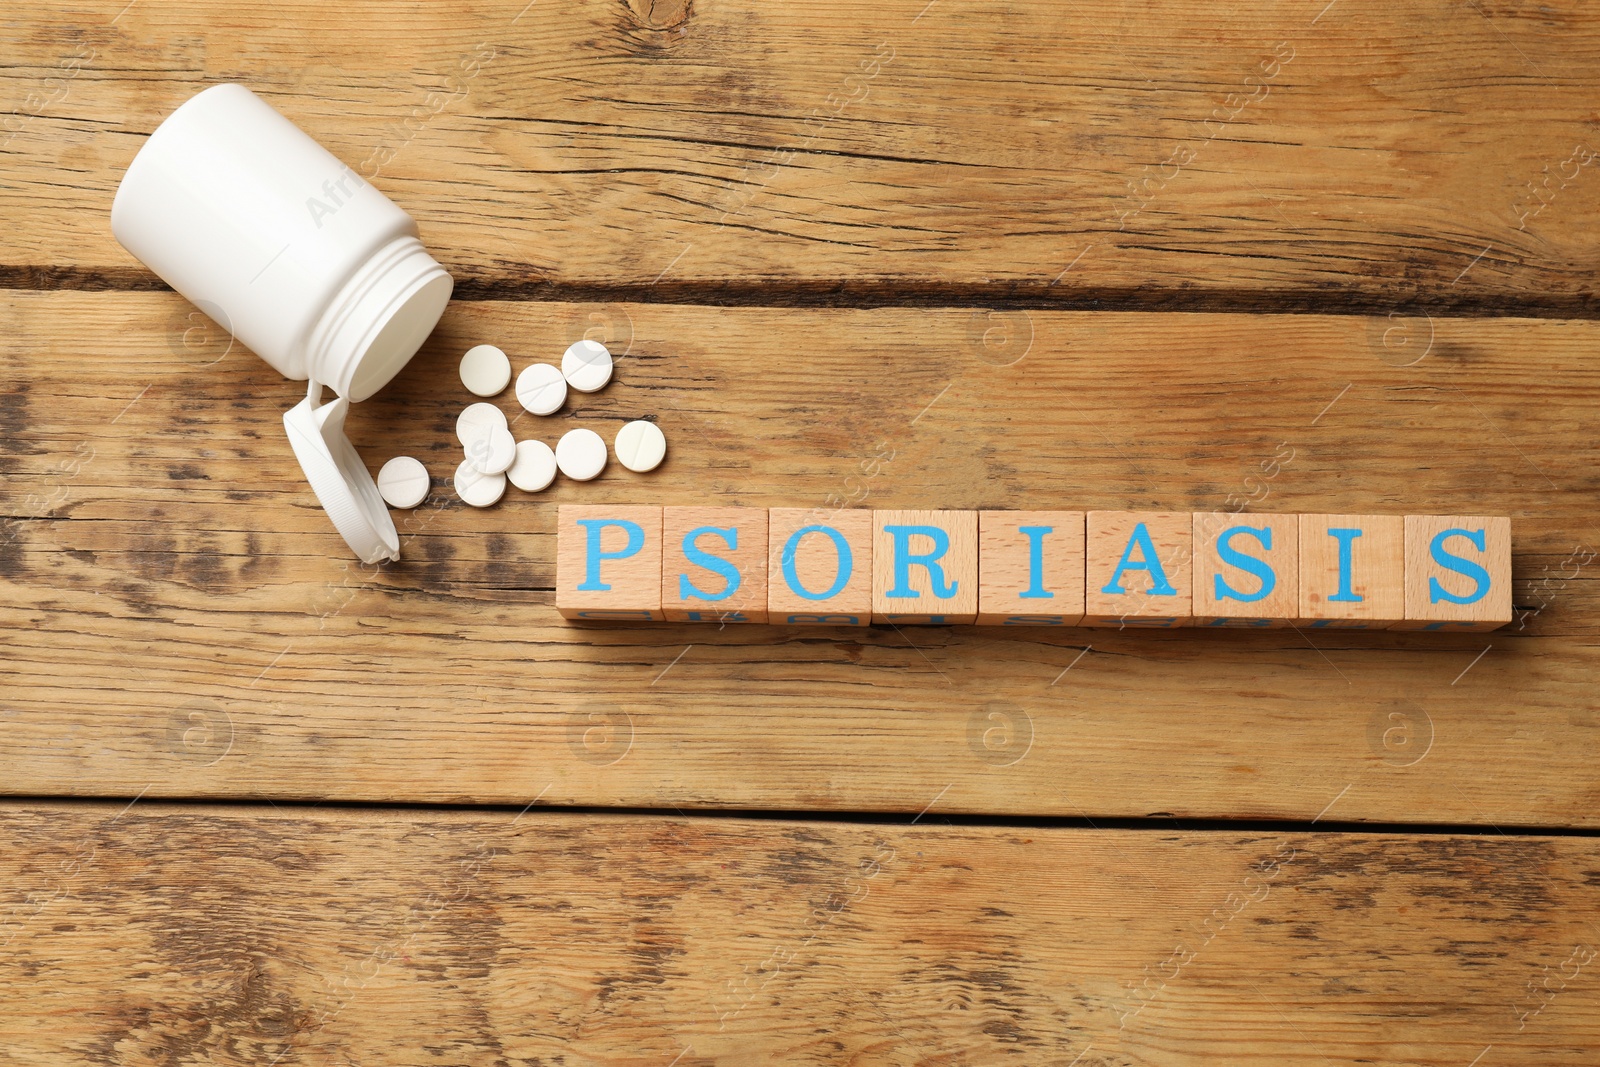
(534, 468)
(485, 370)
(476, 421)
(640, 446)
(587, 366)
(581, 454)
(541, 389)
(479, 490)
(493, 452)
(403, 481)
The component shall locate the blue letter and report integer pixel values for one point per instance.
(1345, 595)
(591, 579)
(1437, 592)
(1036, 589)
(903, 561)
(1249, 564)
(716, 564)
(1159, 586)
(841, 576)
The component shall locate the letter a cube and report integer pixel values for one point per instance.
(1137, 566)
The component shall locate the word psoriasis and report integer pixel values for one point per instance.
(794, 566)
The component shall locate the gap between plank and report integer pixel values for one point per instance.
(1151, 824)
(1039, 295)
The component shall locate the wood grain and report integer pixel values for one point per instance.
(177, 615)
(169, 934)
(1277, 156)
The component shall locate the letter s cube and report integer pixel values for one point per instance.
(1458, 573)
(1246, 569)
(714, 565)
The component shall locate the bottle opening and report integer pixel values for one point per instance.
(379, 319)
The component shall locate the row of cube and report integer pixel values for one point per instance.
(794, 566)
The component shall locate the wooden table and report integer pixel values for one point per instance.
(266, 805)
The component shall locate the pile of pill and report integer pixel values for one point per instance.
(494, 456)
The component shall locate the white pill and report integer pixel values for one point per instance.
(640, 446)
(494, 452)
(587, 366)
(485, 370)
(477, 421)
(535, 466)
(581, 454)
(403, 481)
(541, 389)
(479, 490)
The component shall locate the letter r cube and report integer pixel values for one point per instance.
(924, 567)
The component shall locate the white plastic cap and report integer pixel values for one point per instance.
(343, 485)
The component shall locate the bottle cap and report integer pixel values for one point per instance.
(343, 485)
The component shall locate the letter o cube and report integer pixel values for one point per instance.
(819, 567)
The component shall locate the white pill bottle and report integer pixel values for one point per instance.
(298, 257)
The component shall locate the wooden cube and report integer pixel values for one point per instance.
(1137, 567)
(1246, 569)
(608, 561)
(1458, 572)
(819, 567)
(1352, 571)
(924, 567)
(714, 564)
(1030, 568)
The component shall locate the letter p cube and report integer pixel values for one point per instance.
(608, 562)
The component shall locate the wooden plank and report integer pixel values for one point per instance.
(1280, 155)
(237, 936)
(177, 615)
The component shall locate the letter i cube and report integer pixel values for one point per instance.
(1030, 568)
(1246, 569)
(1458, 573)
(1352, 571)
(1136, 568)
(714, 565)
(819, 567)
(608, 562)
(924, 567)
